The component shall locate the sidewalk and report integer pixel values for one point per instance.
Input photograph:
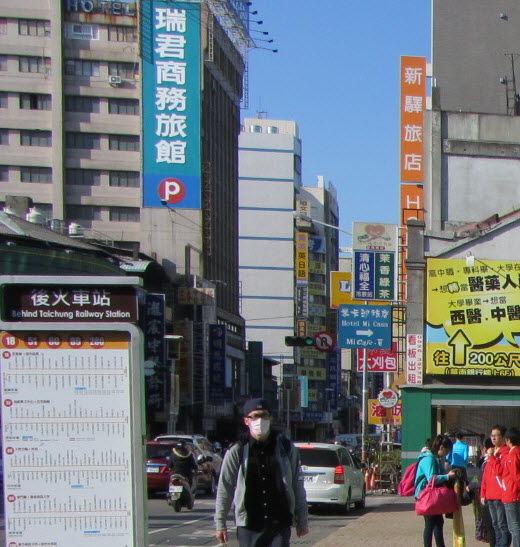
(395, 523)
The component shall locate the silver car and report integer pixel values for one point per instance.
(331, 476)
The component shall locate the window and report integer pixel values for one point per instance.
(3, 63)
(127, 143)
(83, 177)
(317, 457)
(273, 129)
(34, 27)
(255, 129)
(29, 137)
(123, 106)
(4, 173)
(3, 26)
(39, 65)
(79, 31)
(75, 103)
(125, 179)
(3, 99)
(35, 101)
(77, 67)
(36, 174)
(125, 70)
(4, 137)
(124, 214)
(89, 141)
(83, 212)
(122, 34)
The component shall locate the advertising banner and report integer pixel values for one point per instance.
(379, 415)
(414, 359)
(473, 317)
(379, 360)
(218, 392)
(302, 257)
(170, 41)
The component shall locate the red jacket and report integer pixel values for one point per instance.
(491, 485)
(511, 475)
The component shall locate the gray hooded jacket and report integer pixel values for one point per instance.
(232, 485)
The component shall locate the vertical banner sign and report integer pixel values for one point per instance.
(217, 363)
(375, 248)
(184, 365)
(412, 208)
(334, 379)
(302, 257)
(414, 359)
(255, 368)
(304, 391)
(152, 325)
(413, 102)
(171, 104)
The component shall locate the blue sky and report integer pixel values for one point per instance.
(336, 74)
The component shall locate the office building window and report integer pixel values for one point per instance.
(34, 27)
(76, 103)
(127, 179)
(89, 141)
(124, 143)
(125, 70)
(35, 101)
(39, 65)
(77, 67)
(36, 174)
(83, 177)
(4, 173)
(3, 26)
(124, 214)
(123, 106)
(3, 63)
(122, 34)
(81, 31)
(4, 137)
(28, 137)
(3, 99)
(83, 212)
(255, 129)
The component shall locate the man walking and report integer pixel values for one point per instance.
(261, 475)
(491, 490)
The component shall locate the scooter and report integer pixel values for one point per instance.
(180, 493)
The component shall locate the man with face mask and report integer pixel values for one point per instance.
(261, 476)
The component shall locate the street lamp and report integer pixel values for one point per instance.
(298, 215)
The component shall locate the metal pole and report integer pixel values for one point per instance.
(364, 407)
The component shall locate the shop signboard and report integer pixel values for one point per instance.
(379, 360)
(379, 415)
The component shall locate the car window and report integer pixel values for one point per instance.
(318, 457)
(345, 458)
(155, 451)
(205, 445)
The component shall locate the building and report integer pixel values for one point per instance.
(78, 104)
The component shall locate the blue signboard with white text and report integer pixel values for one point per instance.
(361, 326)
(170, 36)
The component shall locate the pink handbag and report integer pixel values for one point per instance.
(436, 500)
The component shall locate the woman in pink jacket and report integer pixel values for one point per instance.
(511, 484)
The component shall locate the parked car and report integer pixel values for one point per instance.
(331, 476)
(202, 444)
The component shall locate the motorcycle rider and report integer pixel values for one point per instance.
(182, 462)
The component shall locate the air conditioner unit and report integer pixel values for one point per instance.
(115, 80)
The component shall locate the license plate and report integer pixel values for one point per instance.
(175, 489)
(308, 478)
(152, 470)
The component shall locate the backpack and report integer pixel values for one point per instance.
(406, 486)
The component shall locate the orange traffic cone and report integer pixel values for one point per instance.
(373, 479)
(367, 480)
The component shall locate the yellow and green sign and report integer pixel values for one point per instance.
(473, 317)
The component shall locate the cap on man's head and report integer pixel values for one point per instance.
(255, 404)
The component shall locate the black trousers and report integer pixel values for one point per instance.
(433, 525)
(264, 538)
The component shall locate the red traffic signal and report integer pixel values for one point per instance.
(299, 341)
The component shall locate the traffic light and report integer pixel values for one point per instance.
(299, 341)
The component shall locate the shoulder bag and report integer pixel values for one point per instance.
(436, 500)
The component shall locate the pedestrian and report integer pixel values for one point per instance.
(511, 484)
(458, 457)
(483, 523)
(491, 490)
(261, 475)
(429, 466)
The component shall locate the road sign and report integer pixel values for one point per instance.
(324, 341)
(363, 326)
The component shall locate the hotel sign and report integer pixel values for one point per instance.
(104, 7)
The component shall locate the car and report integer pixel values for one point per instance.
(331, 476)
(202, 444)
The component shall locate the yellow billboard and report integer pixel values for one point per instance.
(473, 317)
(302, 256)
(378, 415)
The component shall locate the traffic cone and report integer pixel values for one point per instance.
(367, 480)
(373, 479)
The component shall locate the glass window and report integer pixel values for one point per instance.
(3, 63)
(128, 143)
(4, 173)
(83, 177)
(3, 26)
(345, 458)
(89, 141)
(34, 27)
(76, 103)
(81, 31)
(83, 212)
(36, 174)
(125, 70)
(39, 65)
(255, 129)
(4, 137)
(318, 457)
(122, 34)
(273, 129)
(77, 67)
(35, 101)
(125, 214)
(3, 99)
(125, 179)
(123, 106)
(28, 137)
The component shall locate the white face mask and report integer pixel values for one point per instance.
(260, 426)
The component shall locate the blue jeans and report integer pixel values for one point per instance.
(513, 521)
(498, 518)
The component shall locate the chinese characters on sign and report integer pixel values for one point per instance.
(414, 359)
(378, 414)
(379, 360)
(218, 392)
(364, 326)
(171, 109)
(302, 257)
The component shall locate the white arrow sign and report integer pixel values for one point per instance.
(365, 332)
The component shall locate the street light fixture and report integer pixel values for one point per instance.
(298, 215)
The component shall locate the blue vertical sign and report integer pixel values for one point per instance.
(218, 392)
(171, 104)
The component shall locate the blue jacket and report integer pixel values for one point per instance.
(458, 457)
(428, 466)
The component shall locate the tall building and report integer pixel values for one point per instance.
(120, 120)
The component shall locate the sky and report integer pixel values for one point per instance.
(336, 74)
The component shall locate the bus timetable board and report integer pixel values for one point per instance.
(67, 442)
